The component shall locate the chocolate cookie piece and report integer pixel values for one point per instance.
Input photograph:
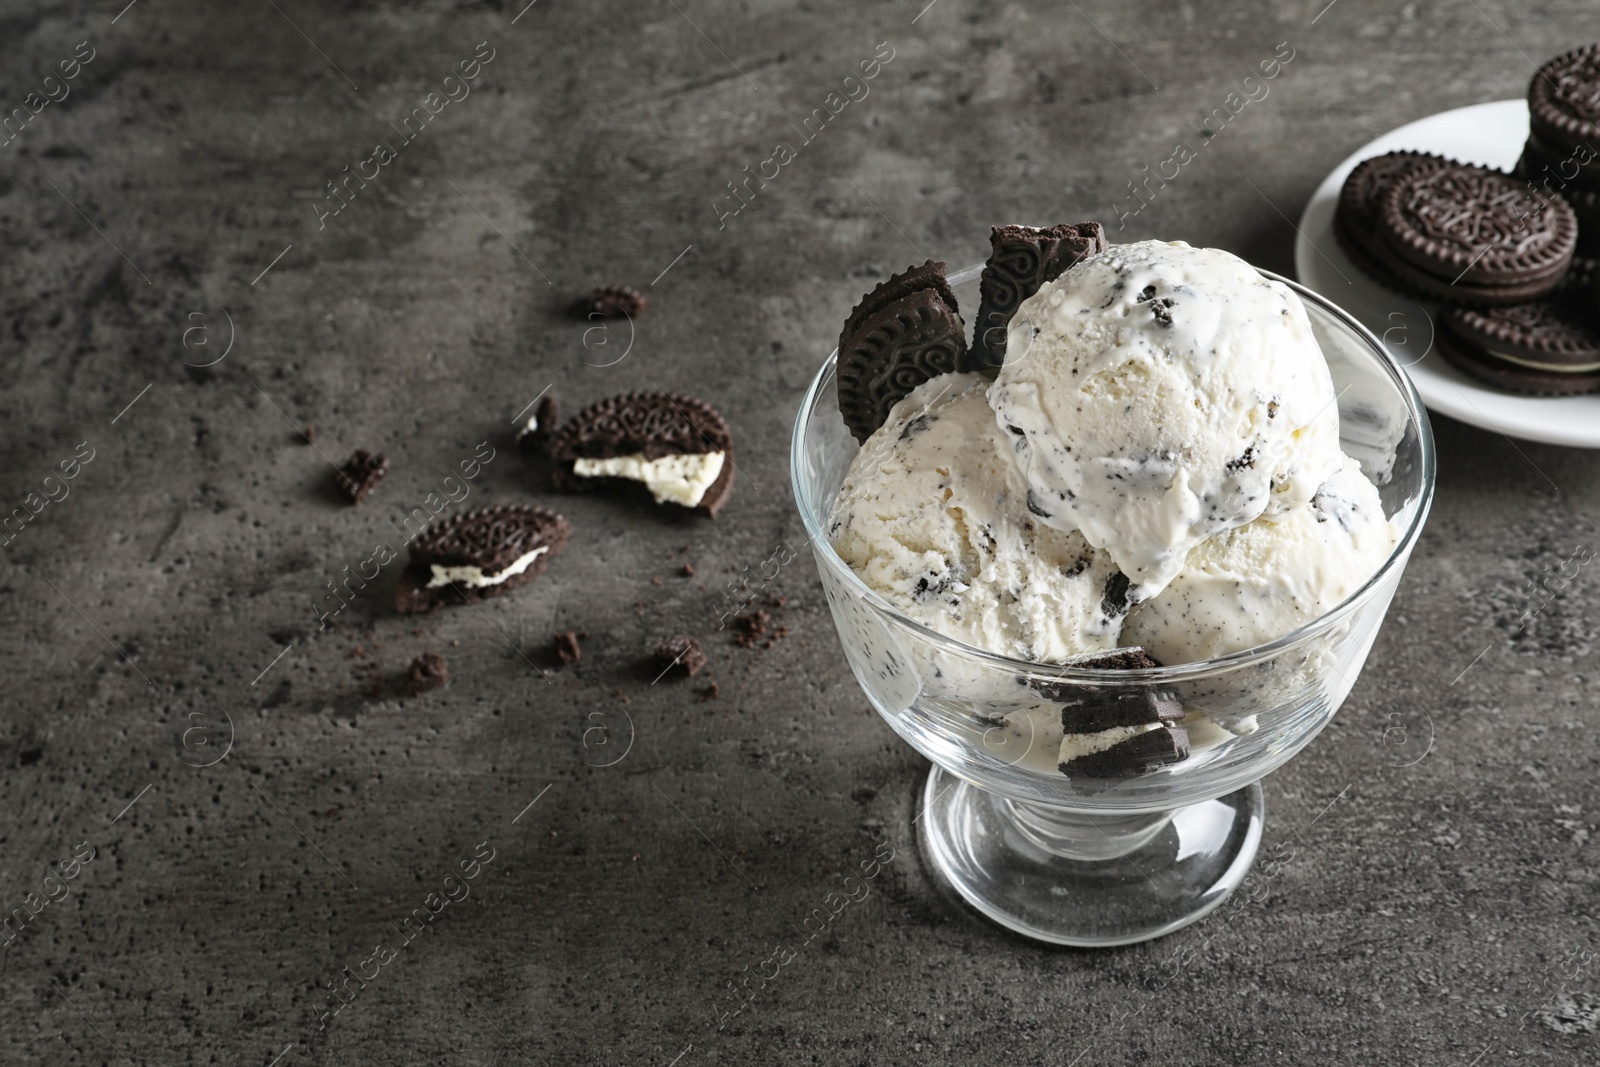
(678, 446)
(1477, 226)
(1564, 98)
(680, 654)
(1021, 259)
(1114, 731)
(611, 302)
(535, 431)
(427, 671)
(903, 333)
(479, 554)
(361, 474)
(1545, 348)
(1137, 754)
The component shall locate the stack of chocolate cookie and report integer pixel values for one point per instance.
(1562, 155)
(1458, 234)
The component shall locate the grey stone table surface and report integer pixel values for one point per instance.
(172, 198)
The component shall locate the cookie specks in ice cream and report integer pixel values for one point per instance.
(1158, 394)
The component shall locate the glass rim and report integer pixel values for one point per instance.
(816, 534)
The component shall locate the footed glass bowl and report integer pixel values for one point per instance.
(1112, 860)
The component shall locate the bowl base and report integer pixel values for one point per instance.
(1162, 872)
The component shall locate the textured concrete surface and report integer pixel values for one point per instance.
(1433, 903)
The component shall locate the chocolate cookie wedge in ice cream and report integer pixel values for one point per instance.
(479, 554)
(1021, 259)
(678, 447)
(904, 332)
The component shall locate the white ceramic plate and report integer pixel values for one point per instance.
(1487, 134)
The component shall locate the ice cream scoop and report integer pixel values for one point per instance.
(932, 515)
(1158, 394)
(1267, 578)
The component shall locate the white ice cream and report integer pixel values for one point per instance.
(474, 578)
(932, 515)
(1158, 394)
(681, 479)
(1269, 577)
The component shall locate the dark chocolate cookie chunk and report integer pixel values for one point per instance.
(1087, 709)
(1140, 753)
(480, 554)
(568, 650)
(611, 441)
(1564, 98)
(361, 474)
(1021, 259)
(680, 654)
(427, 671)
(903, 333)
(1477, 226)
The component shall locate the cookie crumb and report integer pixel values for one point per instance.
(310, 433)
(680, 654)
(687, 570)
(776, 601)
(427, 671)
(611, 302)
(709, 692)
(655, 579)
(568, 651)
(750, 629)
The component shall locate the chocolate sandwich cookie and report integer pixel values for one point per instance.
(1543, 348)
(1021, 259)
(1471, 234)
(1355, 219)
(1559, 170)
(678, 447)
(1111, 732)
(904, 332)
(1547, 174)
(479, 554)
(1564, 99)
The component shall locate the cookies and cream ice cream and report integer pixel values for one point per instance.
(1158, 395)
(1163, 434)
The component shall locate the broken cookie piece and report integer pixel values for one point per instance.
(479, 554)
(677, 447)
(361, 474)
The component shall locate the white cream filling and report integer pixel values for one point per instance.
(681, 479)
(1076, 746)
(529, 425)
(1558, 368)
(474, 578)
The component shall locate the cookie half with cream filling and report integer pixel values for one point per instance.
(479, 554)
(677, 447)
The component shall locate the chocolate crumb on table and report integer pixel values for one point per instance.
(427, 671)
(611, 302)
(709, 692)
(568, 651)
(680, 654)
(688, 570)
(750, 629)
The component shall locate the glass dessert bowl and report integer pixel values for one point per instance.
(1104, 854)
